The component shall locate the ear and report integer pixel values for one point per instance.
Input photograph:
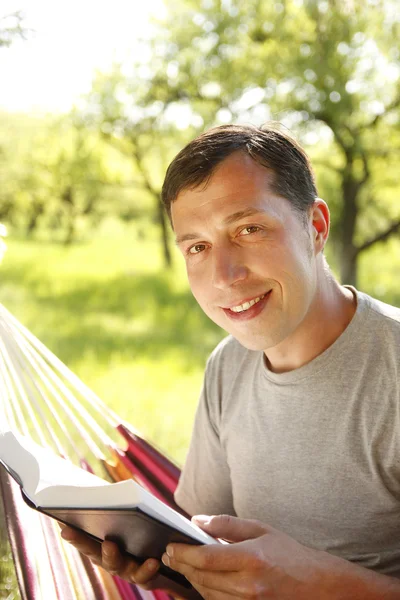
(319, 221)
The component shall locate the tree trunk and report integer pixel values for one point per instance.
(348, 269)
(69, 238)
(161, 217)
(67, 197)
(37, 210)
(348, 258)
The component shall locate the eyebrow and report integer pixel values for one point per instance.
(229, 220)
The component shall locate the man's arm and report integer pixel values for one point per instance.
(266, 563)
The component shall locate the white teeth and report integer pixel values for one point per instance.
(246, 305)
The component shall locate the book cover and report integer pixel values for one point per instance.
(123, 512)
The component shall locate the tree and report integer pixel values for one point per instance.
(11, 28)
(55, 176)
(78, 174)
(327, 68)
(117, 109)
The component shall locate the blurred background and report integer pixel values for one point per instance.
(97, 98)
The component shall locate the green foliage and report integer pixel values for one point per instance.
(11, 28)
(327, 69)
(60, 178)
(118, 110)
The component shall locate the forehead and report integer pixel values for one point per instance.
(237, 184)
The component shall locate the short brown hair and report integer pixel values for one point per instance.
(268, 145)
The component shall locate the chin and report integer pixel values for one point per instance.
(256, 344)
(262, 340)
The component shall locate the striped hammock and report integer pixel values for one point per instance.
(41, 398)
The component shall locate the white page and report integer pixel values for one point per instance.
(55, 470)
(24, 457)
(24, 465)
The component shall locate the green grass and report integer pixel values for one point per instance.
(130, 329)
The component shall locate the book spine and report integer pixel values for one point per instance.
(28, 500)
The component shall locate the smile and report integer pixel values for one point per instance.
(246, 305)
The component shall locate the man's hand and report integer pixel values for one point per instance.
(266, 563)
(108, 556)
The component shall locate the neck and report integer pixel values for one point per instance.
(330, 312)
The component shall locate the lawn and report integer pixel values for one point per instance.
(127, 326)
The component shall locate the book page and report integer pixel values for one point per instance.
(39, 468)
(57, 471)
(111, 495)
(20, 461)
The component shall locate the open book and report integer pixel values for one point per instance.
(123, 512)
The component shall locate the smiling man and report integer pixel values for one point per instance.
(296, 438)
(254, 262)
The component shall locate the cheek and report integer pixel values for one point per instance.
(297, 253)
(197, 284)
(298, 282)
(292, 268)
(203, 294)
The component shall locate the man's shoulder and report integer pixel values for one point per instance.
(386, 315)
(381, 326)
(386, 310)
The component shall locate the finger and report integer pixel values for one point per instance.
(231, 528)
(112, 559)
(229, 583)
(82, 543)
(108, 556)
(210, 558)
(126, 567)
(146, 572)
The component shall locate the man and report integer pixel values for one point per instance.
(297, 431)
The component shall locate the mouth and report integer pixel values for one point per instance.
(248, 309)
(246, 305)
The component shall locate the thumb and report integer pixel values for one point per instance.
(230, 528)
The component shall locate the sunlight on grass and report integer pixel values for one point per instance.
(130, 329)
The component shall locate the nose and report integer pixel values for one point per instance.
(228, 267)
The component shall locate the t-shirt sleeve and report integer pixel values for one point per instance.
(205, 483)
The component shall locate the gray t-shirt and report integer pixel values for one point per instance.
(314, 452)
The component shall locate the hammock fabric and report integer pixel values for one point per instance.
(38, 395)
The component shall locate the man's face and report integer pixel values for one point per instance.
(249, 256)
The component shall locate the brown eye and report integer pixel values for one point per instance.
(250, 229)
(196, 248)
